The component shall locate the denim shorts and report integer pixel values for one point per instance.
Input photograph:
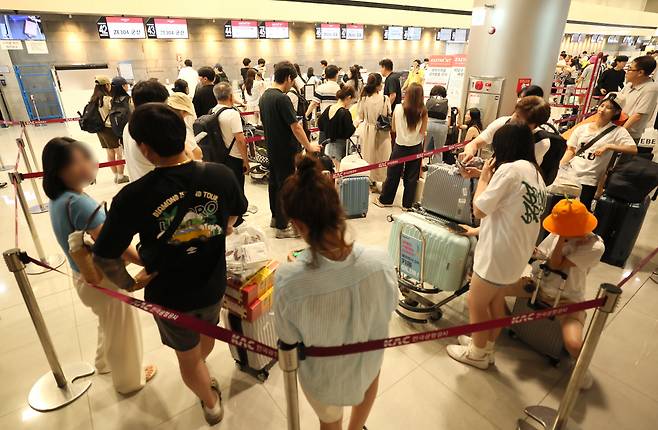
(336, 149)
(183, 339)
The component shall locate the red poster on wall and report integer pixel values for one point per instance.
(522, 83)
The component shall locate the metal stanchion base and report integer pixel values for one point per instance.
(544, 416)
(45, 395)
(5, 168)
(55, 261)
(522, 425)
(39, 209)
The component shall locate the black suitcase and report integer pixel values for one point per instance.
(619, 226)
(551, 200)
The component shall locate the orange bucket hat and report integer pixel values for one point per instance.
(570, 218)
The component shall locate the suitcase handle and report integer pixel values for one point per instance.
(544, 270)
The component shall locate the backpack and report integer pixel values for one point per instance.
(437, 108)
(632, 180)
(91, 120)
(302, 107)
(119, 114)
(212, 145)
(551, 162)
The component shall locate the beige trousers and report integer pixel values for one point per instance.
(119, 347)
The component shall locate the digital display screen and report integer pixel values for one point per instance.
(392, 32)
(574, 38)
(460, 35)
(21, 27)
(444, 35)
(166, 28)
(629, 40)
(613, 39)
(273, 30)
(327, 31)
(119, 27)
(352, 32)
(412, 33)
(241, 29)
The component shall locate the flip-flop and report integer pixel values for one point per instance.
(150, 371)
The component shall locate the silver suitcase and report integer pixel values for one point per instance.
(262, 330)
(544, 335)
(449, 195)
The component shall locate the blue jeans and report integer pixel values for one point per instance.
(437, 132)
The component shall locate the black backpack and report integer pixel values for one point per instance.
(212, 145)
(632, 180)
(119, 114)
(302, 107)
(91, 120)
(551, 162)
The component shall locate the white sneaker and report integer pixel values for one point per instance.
(215, 415)
(588, 381)
(466, 341)
(460, 353)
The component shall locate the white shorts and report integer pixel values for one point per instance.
(326, 413)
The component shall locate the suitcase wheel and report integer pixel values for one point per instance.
(555, 362)
(512, 334)
(435, 316)
(262, 375)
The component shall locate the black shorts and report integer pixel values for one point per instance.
(183, 339)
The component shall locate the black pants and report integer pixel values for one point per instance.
(587, 196)
(409, 172)
(235, 164)
(280, 169)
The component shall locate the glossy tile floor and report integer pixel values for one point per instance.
(421, 388)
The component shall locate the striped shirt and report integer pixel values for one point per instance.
(336, 303)
(325, 94)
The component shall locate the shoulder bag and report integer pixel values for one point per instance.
(384, 121)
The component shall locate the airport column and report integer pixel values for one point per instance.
(518, 40)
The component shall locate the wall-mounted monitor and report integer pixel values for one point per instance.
(166, 28)
(21, 27)
(327, 31)
(273, 30)
(393, 32)
(459, 35)
(444, 35)
(352, 32)
(574, 38)
(613, 39)
(628, 40)
(120, 27)
(236, 29)
(412, 33)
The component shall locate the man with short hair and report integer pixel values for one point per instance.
(639, 96)
(204, 99)
(262, 69)
(189, 75)
(143, 92)
(612, 80)
(246, 65)
(230, 124)
(323, 65)
(284, 133)
(426, 63)
(325, 94)
(182, 212)
(392, 86)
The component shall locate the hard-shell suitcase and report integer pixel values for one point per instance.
(448, 194)
(262, 330)
(619, 226)
(544, 335)
(354, 192)
(552, 198)
(431, 259)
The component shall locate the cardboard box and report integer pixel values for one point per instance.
(254, 310)
(254, 287)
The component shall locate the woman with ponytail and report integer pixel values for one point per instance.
(337, 292)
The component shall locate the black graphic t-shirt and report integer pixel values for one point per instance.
(147, 206)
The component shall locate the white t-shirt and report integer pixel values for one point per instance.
(230, 123)
(256, 91)
(136, 164)
(404, 136)
(325, 94)
(191, 77)
(514, 202)
(190, 141)
(584, 252)
(587, 167)
(541, 147)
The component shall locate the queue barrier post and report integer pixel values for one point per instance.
(40, 207)
(551, 419)
(3, 166)
(46, 395)
(289, 363)
(30, 147)
(55, 260)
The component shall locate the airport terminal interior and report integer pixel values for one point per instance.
(466, 63)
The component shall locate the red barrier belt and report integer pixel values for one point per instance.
(10, 123)
(50, 121)
(100, 166)
(640, 265)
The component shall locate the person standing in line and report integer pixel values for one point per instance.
(204, 100)
(284, 134)
(409, 126)
(261, 68)
(230, 123)
(325, 94)
(612, 80)
(180, 206)
(426, 63)
(639, 97)
(509, 199)
(148, 91)
(123, 106)
(416, 75)
(182, 104)
(102, 98)
(181, 86)
(392, 87)
(437, 126)
(337, 125)
(246, 66)
(354, 79)
(68, 167)
(335, 293)
(323, 66)
(375, 143)
(220, 74)
(472, 124)
(311, 79)
(252, 89)
(189, 75)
